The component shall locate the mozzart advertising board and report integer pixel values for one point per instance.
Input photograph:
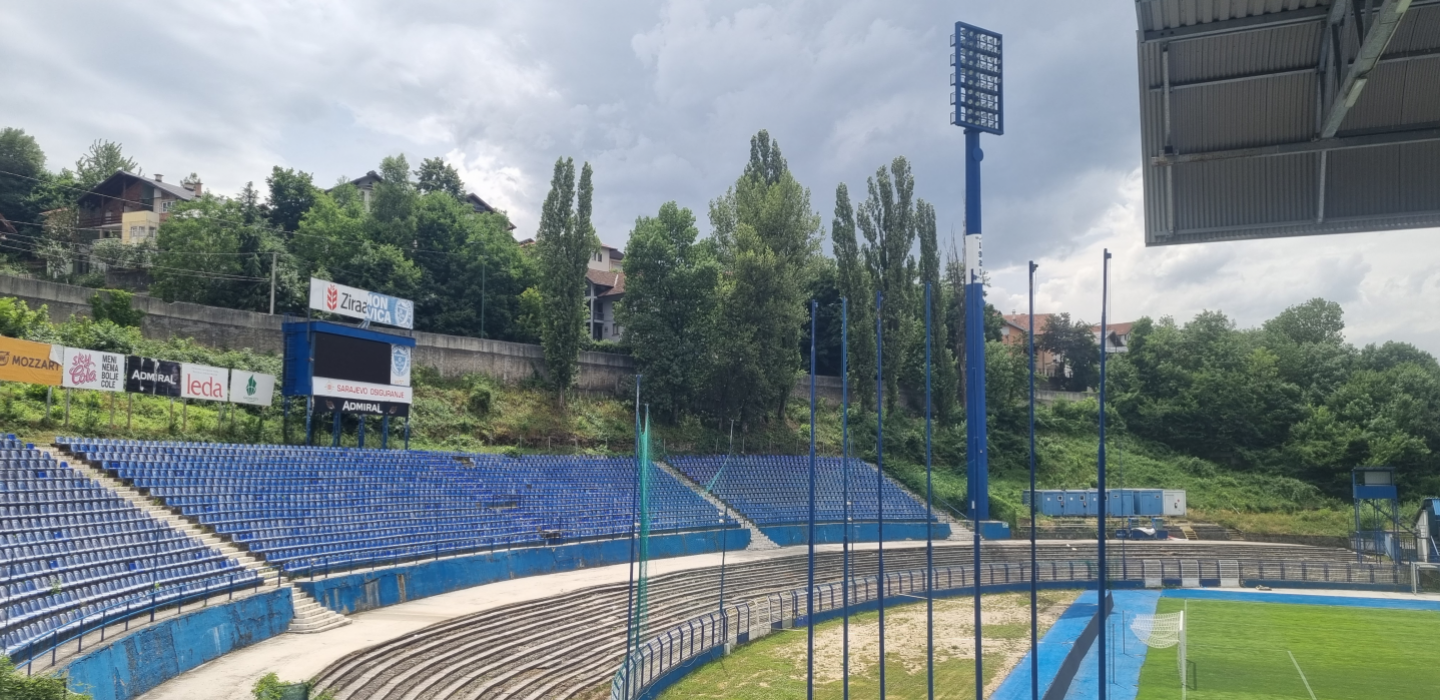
(359, 303)
(30, 362)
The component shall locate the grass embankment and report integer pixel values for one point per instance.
(1250, 651)
(480, 414)
(773, 668)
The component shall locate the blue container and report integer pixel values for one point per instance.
(1149, 502)
(1091, 499)
(1074, 503)
(1120, 503)
(1052, 503)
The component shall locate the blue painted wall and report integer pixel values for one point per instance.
(834, 533)
(143, 660)
(377, 589)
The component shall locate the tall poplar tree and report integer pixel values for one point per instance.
(563, 246)
(945, 376)
(887, 218)
(855, 286)
(765, 236)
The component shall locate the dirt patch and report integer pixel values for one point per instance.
(905, 635)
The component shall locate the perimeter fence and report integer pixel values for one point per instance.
(678, 648)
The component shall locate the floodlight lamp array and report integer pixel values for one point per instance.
(978, 96)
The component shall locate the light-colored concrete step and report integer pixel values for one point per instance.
(758, 540)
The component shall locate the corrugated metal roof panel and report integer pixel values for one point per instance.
(1398, 94)
(1419, 31)
(1383, 181)
(1156, 15)
(1286, 47)
(1228, 193)
(1243, 114)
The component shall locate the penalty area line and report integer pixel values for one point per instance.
(1302, 675)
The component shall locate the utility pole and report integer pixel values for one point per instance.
(274, 257)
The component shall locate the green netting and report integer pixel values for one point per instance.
(642, 545)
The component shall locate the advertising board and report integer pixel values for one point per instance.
(361, 304)
(31, 362)
(92, 369)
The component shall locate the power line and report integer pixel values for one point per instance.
(34, 249)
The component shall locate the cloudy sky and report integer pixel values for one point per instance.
(661, 97)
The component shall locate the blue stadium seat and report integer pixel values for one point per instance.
(775, 489)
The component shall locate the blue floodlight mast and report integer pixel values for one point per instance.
(978, 108)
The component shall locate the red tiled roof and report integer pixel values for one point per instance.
(615, 281)
(1022, 322)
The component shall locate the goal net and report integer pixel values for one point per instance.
(1163, 631)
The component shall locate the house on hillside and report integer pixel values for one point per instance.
(1117, 336)
(130, 207)
(366, 186)
(1016, 329)
(604, 286)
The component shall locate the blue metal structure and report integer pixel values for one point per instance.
(1100, 500)
(810, 569)
(845, 492)
(929, 531)
(1034, 564)
(880, 472)
(1377, 512)
(978, 108)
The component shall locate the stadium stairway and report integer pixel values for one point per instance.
(758, 540)
(959, 529)
(310, 615)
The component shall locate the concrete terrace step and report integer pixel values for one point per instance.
(310, 616)
(758, 540)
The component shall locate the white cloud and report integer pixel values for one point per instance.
(1381, 279)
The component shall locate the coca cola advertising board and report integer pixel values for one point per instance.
(91, 369)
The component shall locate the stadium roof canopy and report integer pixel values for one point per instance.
(1269, 118)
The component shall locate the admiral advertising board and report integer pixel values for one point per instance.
(30, 362)
(359, 303)
(145, 375)
(92, 369)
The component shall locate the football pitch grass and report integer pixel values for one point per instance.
(1270, 651)
(773, 667)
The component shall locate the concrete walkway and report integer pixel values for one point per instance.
(300, 657)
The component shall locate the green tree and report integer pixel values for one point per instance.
(471, 267)
(669, 307)
(887, 219)
(22, 169)
(101, 161)
(765, 235)
(18, 321)
(854, 284)
(393, 205)
(1076, 352)
(15, 685)
(116, 306)
(334, 243)
(435, 175)
(945, 378)
(292, 193)
(563, 246)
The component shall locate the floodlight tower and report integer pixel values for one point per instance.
(978, 107)
(978, 104)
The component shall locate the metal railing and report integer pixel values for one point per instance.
(679, 644)
(327, 564)
(135, 606)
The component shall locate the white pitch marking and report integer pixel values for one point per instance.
(1302, 675)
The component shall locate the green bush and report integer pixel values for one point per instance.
(481, 398)
(115, 306)
(15, 685)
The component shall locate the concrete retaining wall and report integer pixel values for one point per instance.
(376, 589)
(834, 533)
(141, 661)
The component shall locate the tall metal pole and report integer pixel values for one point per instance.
(845, 494)
(1034, 564)
(975, 378)
(274, 258)
(810, 572)
(634, 515)
(1100, 587)
(880, 471)
(929, 534)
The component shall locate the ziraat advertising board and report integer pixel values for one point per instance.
(362, 304)
(92, 369)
